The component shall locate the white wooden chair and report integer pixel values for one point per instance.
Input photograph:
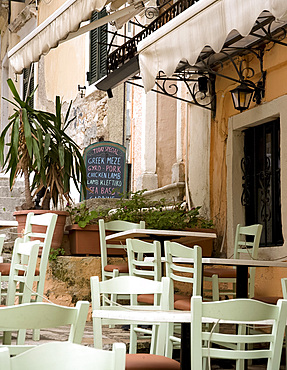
(133, 285)
(126, 285)
(41, 316)
(112, 270)
(47, 222)
(65, 356)
(139, 266)
(2, 239)
(22, 271)
(190, 275)
(242, 312)
(242, 245)
(149, 269)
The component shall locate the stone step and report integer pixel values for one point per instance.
(4, 181)
(8, 205)
(6, 215)
(5, 192)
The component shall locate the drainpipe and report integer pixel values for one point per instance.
(188, 199)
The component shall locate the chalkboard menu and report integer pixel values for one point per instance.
(106, 170)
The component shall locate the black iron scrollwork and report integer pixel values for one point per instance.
(151, 12)
(245, 167)
(129, 49)
(264, 178)
(169, 86)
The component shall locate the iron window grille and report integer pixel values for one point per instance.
(261, 194)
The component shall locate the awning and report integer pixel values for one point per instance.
(206, 23)
(63, 25)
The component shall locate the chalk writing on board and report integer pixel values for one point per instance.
(106, 170)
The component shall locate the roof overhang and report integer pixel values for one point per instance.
(120, 75)
(205, 28)
(63, 25)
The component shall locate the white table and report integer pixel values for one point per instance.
(156, 316)
(161, 235)
(241, 266)
(185, 237)
(6, 224)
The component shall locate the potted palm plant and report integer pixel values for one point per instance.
(41, 151)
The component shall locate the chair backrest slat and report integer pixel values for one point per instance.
(114, 226)
(179, 272)
(137, 251)
(42, 316)
(127, 285)
(22, 269)
(241, 312)
(65, 356)
(2, 239)
(242, 244)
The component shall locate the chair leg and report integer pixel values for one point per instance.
(21, 336)
(7, 336)
(169, 343)
(215, 288)
(97, 332)
(154, 339)
(133, 339)
(240, 364)
(114, 297)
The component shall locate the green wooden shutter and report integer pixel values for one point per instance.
(98, 49)
(26, 72)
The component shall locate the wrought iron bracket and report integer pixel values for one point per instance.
(239, 60)
(199, 88)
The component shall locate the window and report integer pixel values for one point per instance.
(98, 49)
(261, 176)
(28, 83)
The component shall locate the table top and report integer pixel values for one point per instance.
(156, 316)
(6, 224)
(228, 261)
(243, 262)
(191, 236)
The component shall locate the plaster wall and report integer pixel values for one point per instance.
(275, 65)
(136, 133)
(64, 69)
(227, 151)
(198, 135)
(148, 178)
(166, 139)
(115, 115)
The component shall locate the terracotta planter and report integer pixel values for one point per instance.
(86, 241)
(206, 245)
(59, 229)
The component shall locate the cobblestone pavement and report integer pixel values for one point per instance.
(110, 336)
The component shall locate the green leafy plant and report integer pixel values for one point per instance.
(158, 214)
(82, 215)
(54, 253)
(39, 146)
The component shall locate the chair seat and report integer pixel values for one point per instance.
(145, 298)
(267, 299)
(182, 304)
(145, 361)
(149, 298)
(5, 270)
(179, 297)
(123, 268)
(221, 272)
